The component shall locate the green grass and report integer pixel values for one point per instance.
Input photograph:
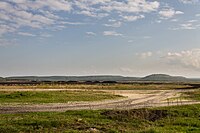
(194, 95)
(53, 96)
(184, 119)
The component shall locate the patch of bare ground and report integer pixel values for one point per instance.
(135, 99)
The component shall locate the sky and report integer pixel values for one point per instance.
(99, 37)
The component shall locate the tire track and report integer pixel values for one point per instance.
(145, 101)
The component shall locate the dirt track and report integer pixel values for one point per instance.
(135, 99)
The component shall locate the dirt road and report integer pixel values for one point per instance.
(135, 99)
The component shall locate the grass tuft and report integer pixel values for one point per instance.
(165, 120)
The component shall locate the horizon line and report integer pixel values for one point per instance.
(91, 75)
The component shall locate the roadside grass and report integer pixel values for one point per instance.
(184, 119)
(53, 97)
(116, 86)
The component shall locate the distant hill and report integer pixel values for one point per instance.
(153, 77)
(163, 77)
(74, 78)
(1, 79)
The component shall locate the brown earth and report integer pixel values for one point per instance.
(134, 99)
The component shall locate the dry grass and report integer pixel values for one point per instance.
(100, 86)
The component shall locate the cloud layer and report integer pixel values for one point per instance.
(21, 17)
(15, 14)
(39, 14)
(169, 13)
(189, 1)
(189, 58)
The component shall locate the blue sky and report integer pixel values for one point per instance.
(99, 37)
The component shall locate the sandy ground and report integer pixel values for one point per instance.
(134, 99)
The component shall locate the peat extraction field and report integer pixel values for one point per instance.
(110, 107)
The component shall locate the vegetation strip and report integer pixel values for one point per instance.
(34, 97)
(165, 120)
(193, 95)
(116, 86)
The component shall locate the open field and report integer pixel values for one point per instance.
(113, 86)
(194, 95)
(100, 110)
(37, 97)
(156, 120)
(134, 99)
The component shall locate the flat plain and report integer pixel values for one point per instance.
(133, 107)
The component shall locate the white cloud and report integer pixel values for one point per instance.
(51, 14)
(131, 6)
(135, 6)
(179, 12)
(158, 21)
(111, 33)
(192, 21)
(130, 41)
(147, 37)
(197, 15)
(91, 33)
(188, 59)
(38, 14)
(115, 25)
(103, 8)
(189, 1)
(26, 34)
(174, 20)
(6, 29)
(93, 14)
(169, 13)
(112, 20)
(56, 5)
(132, 18)
(188, 26)
(73, 23)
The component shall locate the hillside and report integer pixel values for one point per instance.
(1, 79)
(153, 77)
(163, 77)
(75, 78)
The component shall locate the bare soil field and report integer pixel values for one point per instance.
(134, 99)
